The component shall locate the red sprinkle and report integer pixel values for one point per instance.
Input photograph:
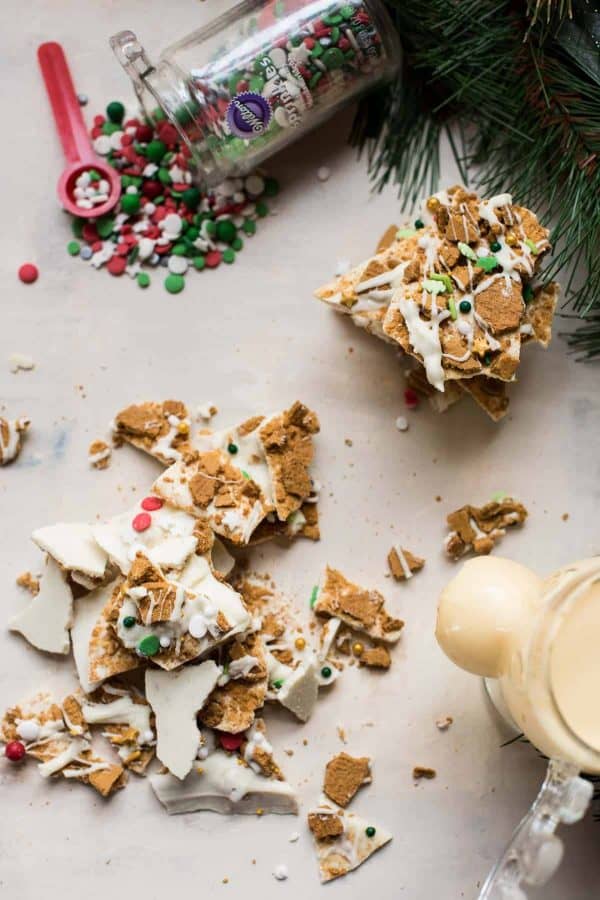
(213, 258)
(309, 43)
(144, 134)
(89, 233)
(411, 398)
(15, 751)
(116, 265)
(152, 503)
(99, 120)
(230, 741)
(28, 273)
(344, 43)
(142, 522)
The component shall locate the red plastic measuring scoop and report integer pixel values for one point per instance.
(73, 135)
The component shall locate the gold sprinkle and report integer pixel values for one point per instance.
(300, 643)
(433, 204)
(259, 811)
(357, 648)
(199, 770)
(183, 428)
(511, 239)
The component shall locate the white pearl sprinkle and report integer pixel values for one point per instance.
(165, 641)
(402, 423)
(197, 627)
(280, 872)
(28, 730)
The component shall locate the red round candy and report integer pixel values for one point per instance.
(15, 751)
(213, 258)
(309, 43)
(126, 140)
(411, 398)
(168, 134)
(144, 134)
(99, 120)
(116, 265)
(28, 273)
(152, 503)
(230, 741)
(89, 233)
(142, 522)
(152, 189)
(344, 44)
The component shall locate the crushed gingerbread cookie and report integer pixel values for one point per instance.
(29, 582)
(344, 775)
(343, 841)
(456, 294)
(375, 657)
(387, 238)
(325, 825)
(12, 432)
(160, 429)
(99, 454)
(423, 772)
(403, 564)
(242, 688)
(477, 529)
(363, 610)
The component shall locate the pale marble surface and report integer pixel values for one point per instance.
(249, 338)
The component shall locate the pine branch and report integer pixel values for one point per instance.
(524, 79)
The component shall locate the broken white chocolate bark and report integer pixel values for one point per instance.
(46, 619)
(344, 775)
(150, 616)
(73, 547)
(477, 529)
(363, 610)
(12, 432)
(176, 698)
(160, 429)
(242, 686)
(456, 293)
(403, 564)
(238, 477)
(343, 841)
(86, 614)
(128, 720)
(244, 780)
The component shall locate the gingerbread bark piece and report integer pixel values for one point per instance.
(241, 690)
(340, 850)
(539, 313)
(160, 429)
(477, 529)
(375, 658)
(302, 523)
(489, 394)
(127, 720)
(344, 775)
(361, 609)
(12, 432)
(288, 446)
(403, 564)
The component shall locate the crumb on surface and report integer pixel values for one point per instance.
(423, 772)
(29, 582)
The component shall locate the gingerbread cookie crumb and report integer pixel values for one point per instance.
(99, 454)
(423, 772)
(375, 658)
(344, 775)
(29, 582)
(477, 529)
(403, 564)
(325, 825)
(444, 724)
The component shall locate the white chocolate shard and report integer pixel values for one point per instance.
(46, 620)
(73, 546)
(300, 690)
(175, 698)
(222, 785)
(343, 841)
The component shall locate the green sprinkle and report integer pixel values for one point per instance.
(158, 115)
(498, 496)
(487, 358)
(245, 474)
(445, 279)
(527, 293)
(115, 111)
(419, 223)
(495, 246)
(210, 227)
(313, 596)
(149, 646)
(130, 204)
(237, 244)
(452, 308)
(163, 176)
(155, 151)
(232, 448)
(228, 256)
(226, 231)
(333, 58)
(174, 283)
(105, 226)
(465, 306)
(73, 247)
(143, 279)
(316, 51)
(199, 262)
(405, 233)
(315, 79)
(466, 250)
(249, 227)
(433, 287)
(347, 11)
(487, 263)
(179, 250)
(77, 227)
(110, 128)
(129, 621)
(256, 84)
(370, 831)
(133, 255)
(278, 683)
(94, 175)
(262, 209)
(532, 246)
(326, 672)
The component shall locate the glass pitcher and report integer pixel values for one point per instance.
(262, 75)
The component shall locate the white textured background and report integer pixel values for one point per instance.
(250, 338)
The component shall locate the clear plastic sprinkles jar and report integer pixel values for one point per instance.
(262, 75)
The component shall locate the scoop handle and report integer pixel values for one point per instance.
(65, 106)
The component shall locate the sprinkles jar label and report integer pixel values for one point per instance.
(262, 75)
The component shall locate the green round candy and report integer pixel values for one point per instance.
(256, 83)
(527, 293)
(237, 244)
(110, 128)
(326, 672)
(174, 283)
(130, 203)
(126, 181)
(271, 187)
(232, 448)
(262, 210)
(199, 262)
(419, 223)
(164, 177)
(487, 358)
(347, 11)
(149, 645)
(143, 279)
(191, 197)
(156, 150)
(191, 233)
(129, 621)
(115, 111)
(73, 247)
(210, 228)
(77, 227)
(228, 255)
(495, 246)
(278, 683)
(226, 231)
(370, 831)
(249, 226)
(315, 80)
(333, 18)
(317, 51)
(105, 225)
(158, 115)
(465, 306)
(179, 250)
